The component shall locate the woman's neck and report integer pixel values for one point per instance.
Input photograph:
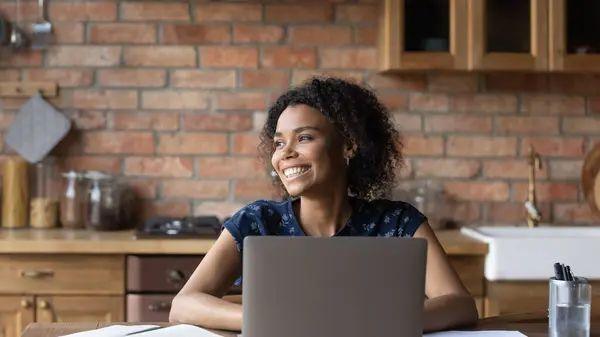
(325, 215)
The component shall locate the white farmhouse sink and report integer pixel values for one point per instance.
(522, 253)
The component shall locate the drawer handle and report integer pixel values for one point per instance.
(162, 306)
(175, 276)
(37, 274)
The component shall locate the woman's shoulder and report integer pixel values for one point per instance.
(395, 216)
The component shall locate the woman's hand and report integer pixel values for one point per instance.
(449, 304)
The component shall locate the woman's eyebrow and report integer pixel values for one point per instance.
(299, 129)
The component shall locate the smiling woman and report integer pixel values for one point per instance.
(333, 149)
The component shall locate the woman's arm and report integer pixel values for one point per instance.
(449, 304)
(200, 300)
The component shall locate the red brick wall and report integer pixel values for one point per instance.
(170, 95)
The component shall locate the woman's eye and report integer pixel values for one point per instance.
(304, 137)
(278, 143)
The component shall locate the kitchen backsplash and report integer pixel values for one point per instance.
(171, 94)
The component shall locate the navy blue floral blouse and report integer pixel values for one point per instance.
(369, 218)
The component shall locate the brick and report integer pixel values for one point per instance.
(159, 166)
(192, 143)
(408, 82)
(394, 102)
(365, 36)
(229, 56)
(583, 125)
(458, 123)
(240, 101)
(203, 78)
(555, 146)
(139, 78)
(572, 213)
(515, 82)
(160, 56)
(207, 189)
(9, 75)
(527, 125)
(453, 82)
(289, 57)
(106, 163)
(447, 168)
(230, 167)
(167, 100)
(119, 142)
(464, 211)
(131, 33)
(27, 11)
(245, 144)
(84, 56)
(320, 35)
(547, 191)
(88, 120)
(222, 209)
(429, 102)
(82, 11)
(63, 77)
(105, 99)
(301, 75)
(162, 208)
(217, 122)
(259, 118)
(423, 145)
(594, 105)
(479, 146)
(23, 59)
(478, 190)
(258, 34)
(68, 32)
(349, 58)
(575, 83)
(195, 34)
(553, 105)
(407, 123)
(223, 12)
(513, 213)
(265, 79)
(490, 103)
(354, 13)
(565, 169)
(145, 120)
(155, 11)
(511, 169)
(254, 189)
(296, 13)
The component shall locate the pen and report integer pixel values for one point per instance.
(145, 330)
(558, 272)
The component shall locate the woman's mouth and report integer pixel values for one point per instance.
(296, 171)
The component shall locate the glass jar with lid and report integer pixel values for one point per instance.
(102, 205)
(72, 201)
(45, 194)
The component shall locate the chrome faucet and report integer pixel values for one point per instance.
(534, 162)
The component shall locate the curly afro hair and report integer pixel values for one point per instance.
(360, 118)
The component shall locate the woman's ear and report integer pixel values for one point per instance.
(350, 150)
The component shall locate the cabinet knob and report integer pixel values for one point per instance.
(44, 305)
(25, 304)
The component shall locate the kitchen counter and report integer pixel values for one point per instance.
(62, 241)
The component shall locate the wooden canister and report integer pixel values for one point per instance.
(15, 193)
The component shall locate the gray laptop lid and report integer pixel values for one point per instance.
(340, 286)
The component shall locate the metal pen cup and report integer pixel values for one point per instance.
(569, 308)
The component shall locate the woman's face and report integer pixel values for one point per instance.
(309, 154)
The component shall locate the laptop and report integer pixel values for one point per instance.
(299, 286)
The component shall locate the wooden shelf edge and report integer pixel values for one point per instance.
(28, 89)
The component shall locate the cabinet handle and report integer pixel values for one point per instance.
(47, 311)
(44, 305)
(162, 306)
(25, 304)
(37, 274)
(175, 276)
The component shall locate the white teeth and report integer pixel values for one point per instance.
(294, 171)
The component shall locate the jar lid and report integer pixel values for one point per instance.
(97, 175)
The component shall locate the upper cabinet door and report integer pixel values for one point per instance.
(508, 35)
(574, 35)
(423, 35)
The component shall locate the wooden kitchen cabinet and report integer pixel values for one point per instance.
(60, 288)
(489, 35)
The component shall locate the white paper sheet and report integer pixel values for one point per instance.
(484, 333)
(182, 330)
